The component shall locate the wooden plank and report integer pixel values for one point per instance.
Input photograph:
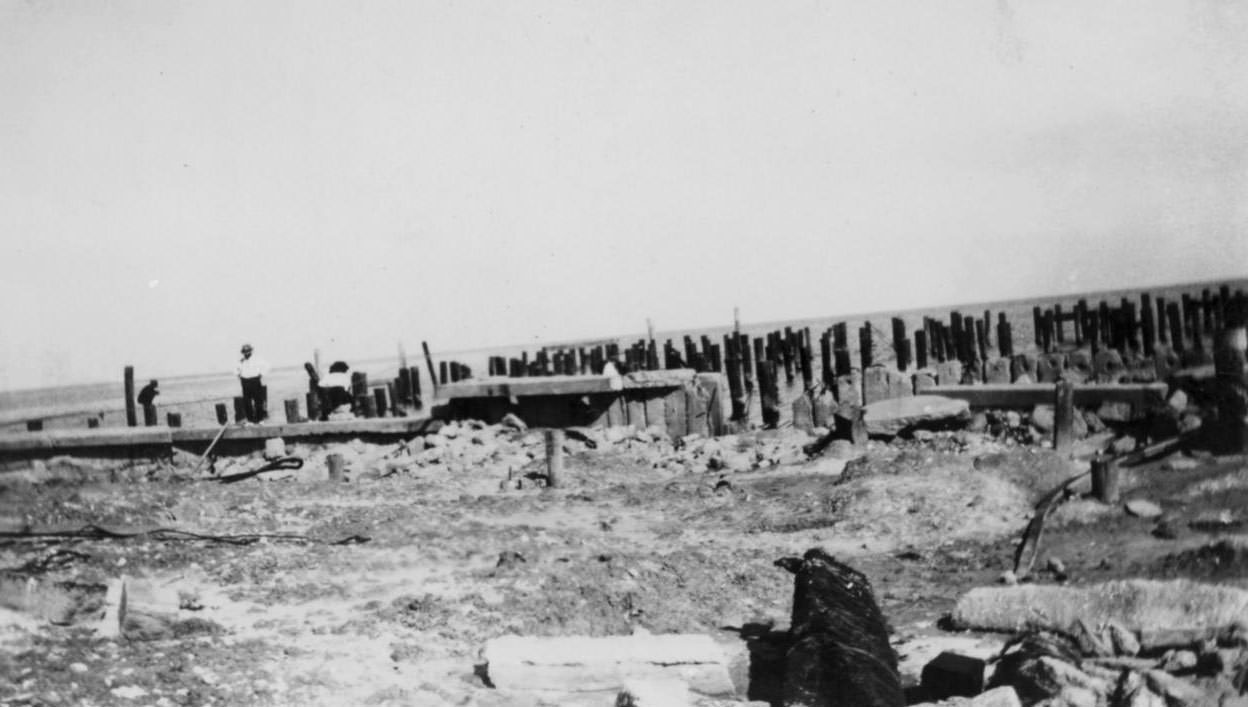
(376, 425)
(500, 387)
(674, 413)
(654, 409)
(1028, 395)
(636, 409)
(77, 439)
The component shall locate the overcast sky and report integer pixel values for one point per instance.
(179, 177)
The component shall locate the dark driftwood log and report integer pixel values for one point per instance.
(840, 655)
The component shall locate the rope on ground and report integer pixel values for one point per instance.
(285, 463)
(1029, 544)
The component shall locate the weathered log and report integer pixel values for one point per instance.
(840, 655)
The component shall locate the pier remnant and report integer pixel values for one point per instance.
(132, 417)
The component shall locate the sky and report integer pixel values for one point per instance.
(179, 177)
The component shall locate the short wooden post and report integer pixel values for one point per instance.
(334, 462)
(93, 422)
(736, 391)
(416, 393)
(554, 457)
(1105, 480)
(1163, 329)
(34, 425)
(804, 360)
(173, 419)
(132, 413)
(149, 415)
(240, 408)
(292, 410)
(313, 403)
(1064, 417)
(223, 414)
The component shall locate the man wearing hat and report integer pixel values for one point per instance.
(250, 370)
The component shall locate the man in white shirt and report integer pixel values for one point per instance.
(250, 370)
(336, 391)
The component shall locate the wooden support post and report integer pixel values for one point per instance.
(1105, 480)
(366, 405)
(444, 372)
(1206, 310)
(1037, 323)
(920, 348)
(1176, 326)
(1163, 328)
(1005, 337)
(808, 375)
(93, 422)
(132, 414)
(393, 400)
(334, 462)
(899, 336)
(827, 374)
(292, 409)
(1198, 332)
(173, 419)
(1064, 417)
(34, 425)
(736, 391)
(981, 339)
(379, 397)
(554, 457)
(1105, 333)
(223, 414)
(1059, 330)
(313, 403)
(1130, 325)
(769, 389)
(987, 329)
(1146, 324)
(865, 350)
(240, 408)
(1046, 336)
(433, 379)
(149, 415)
(786, 354)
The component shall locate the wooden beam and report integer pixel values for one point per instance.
(562, 385)
(76, 439)
(1030, 395)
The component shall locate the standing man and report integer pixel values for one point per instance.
(250, 369)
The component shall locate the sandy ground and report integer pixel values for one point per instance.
(456, 555)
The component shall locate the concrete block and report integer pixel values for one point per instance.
(953, 675)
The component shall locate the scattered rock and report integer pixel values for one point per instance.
(1142, 508)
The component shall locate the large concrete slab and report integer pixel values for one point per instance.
(563, 385)
(1026, 395)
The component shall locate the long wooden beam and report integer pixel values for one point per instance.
(500, 387)
(1009, 395)
(164, 436)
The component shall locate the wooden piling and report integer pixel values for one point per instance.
(292, 409)
(1175, 320)
(444, 372)
(1163, 329)
(554, 457)
(899, 341)
(827, 374)
(379, 397)
(93, 422)
(920, 348)
(34, 425)
(223, 414)
(240, 408)
(149, 415)
(808, 375)
(981, 339)
(736, 391)
(1037, 323)
(433, 379)
(335, 465)
(313, 403)
(769, 388)
(132, 416)
(1059, 331)
(173, 419)
(1148, 331)
(366, 405)
(1005, 337)
(1105, 480)
(865, 351)
(1064, 417)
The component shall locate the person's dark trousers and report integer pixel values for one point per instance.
(253, 395)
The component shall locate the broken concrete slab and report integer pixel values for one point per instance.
(1136, 604)
(570, 664)
(890, 417)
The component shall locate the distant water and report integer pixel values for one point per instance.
(196, 395)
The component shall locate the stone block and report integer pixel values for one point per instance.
(875, 384)
(1049, 367)
(849, 388)
(1109, 366)
(997, 370)
(1023, 366)
(949, 373)
(953, 675)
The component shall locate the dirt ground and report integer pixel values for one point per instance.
(455, 556)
